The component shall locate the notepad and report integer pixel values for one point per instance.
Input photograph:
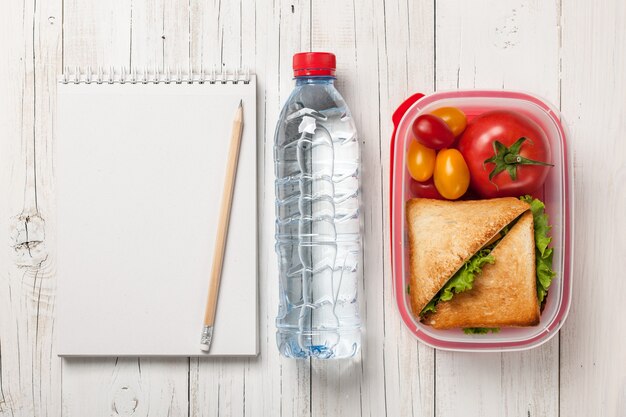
(140, 165)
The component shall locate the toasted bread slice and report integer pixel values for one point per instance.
(444, 234)
(504, 293)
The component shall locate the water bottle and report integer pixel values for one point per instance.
(318, 225)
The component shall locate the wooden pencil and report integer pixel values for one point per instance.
(222, 230)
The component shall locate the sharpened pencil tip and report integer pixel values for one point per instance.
(239, 113)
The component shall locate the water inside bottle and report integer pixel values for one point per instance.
(318, 238)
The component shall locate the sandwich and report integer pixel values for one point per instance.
(478, 265)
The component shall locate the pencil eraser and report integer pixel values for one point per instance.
(204, 347)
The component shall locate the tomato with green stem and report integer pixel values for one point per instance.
(507, 154)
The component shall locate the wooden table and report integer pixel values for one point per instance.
(571, 52)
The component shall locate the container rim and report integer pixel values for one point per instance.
(397, 232)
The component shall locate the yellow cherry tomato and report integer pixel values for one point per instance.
(454, 118)
(451, 174)
(420, 161)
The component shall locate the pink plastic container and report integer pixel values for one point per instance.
(556, 194)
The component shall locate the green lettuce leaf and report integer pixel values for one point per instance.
(543, 253)
(462, 280)
(430, 307)
(480, 330)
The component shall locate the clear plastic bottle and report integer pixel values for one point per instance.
(318, 227)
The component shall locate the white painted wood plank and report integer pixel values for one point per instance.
(206, 35)
(509, 45)
(29, 368)
(407, 67)
(498, 44)
(176, 32)
(128, 386)
(96, 33)
(593, 340)
(223, 34)
(217, 387)
(160, 35)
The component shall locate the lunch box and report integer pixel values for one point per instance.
(556, 194)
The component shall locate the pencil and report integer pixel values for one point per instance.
(222, 230)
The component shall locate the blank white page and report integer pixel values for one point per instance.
(140, 172)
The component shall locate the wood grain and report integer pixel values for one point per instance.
(593, 340)
(31, 49)
(572, 52)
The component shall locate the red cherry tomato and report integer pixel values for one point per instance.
(432, 132)
(425, 189)
(454, 118)
(509, 147)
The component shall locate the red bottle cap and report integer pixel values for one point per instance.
(320, 64)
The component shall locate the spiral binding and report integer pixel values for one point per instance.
(153, 76)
